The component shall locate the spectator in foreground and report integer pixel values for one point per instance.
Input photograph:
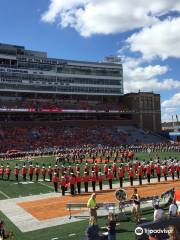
(111, 226)
(93, 230)
(172, 233)
(136, 205)
(2, 230)
(173, 209)
(92, 205)
(152, 236)
(158, 213)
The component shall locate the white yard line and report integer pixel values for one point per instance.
(46, 185)
(4, 194)
(42, 184)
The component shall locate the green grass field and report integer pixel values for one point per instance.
(12, 189)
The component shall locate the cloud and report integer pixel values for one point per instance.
(171, 107)
(162, 40)
(90, 17)
(140, 76)
(172, 102)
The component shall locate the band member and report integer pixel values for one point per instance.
(78, 181)
(43, 172)
(165, 171)
(50, 171)
(100, 180)
(93, 180)
(121, 175)
(86, 168)
(158, 172)
(55, 181)
(24, 172)
(63, 169)
(31, 171)
(148, 173)
(172, 170)
(178, 170)
(63, 185)
(16, 171)
(72, 182)
(56, 170)
(77, 168)
(106, 170)
(139, 173)
(2, 171)
(110, 178)
(92, 205)
(136, 205)
(95, 168)
(37, 171)
(114, 168)
(131, 176)
(152, 167)
(86, 181)
(8, 171)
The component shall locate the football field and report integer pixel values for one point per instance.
(12, 193)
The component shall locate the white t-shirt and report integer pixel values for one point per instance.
(158, 214)
(173, 209)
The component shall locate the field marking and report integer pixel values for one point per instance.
(4, 194)
(72, 234)
(46, 185)
(43, 184)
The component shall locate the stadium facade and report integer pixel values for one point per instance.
(79, 91)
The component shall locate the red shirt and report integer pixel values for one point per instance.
(165, 170)
(106, 169)
(24, 170)
(55, 179)
(158, 169)
(72, 180)
(63, 182)
(131, 173)
(100, 178)
(114, 168)
(95, 168)
(49, 170)
(37, 170)
(152, 165)
(93, 178)
(86, 178)
(121, 173)
(31, 170)
(43, 171)
(8, 170)
(78, 179)
(172, 169)
(1, 170)
(139, 171)
(110, 176)
(16, 171)
(148, 170)
(86, 168)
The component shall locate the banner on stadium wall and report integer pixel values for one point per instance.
(55, 110)
(13, 110)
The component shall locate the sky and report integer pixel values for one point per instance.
(145, 34)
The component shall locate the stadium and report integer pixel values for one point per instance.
(67, 130)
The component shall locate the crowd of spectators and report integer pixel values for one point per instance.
(73, 104)
(29, 138)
